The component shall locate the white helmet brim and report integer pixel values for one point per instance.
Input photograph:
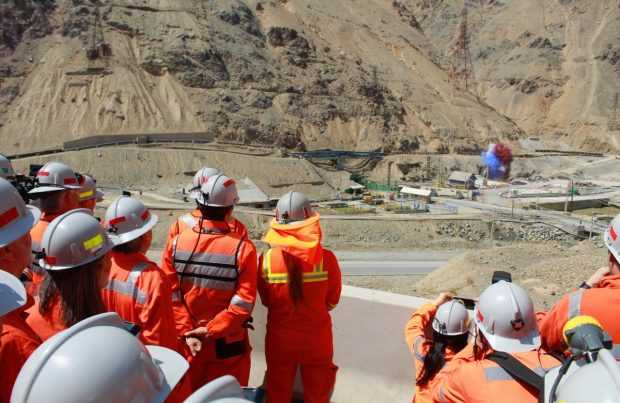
(46, 189)
(527, 342)
(12, 293)
(609, 243)
(19, 228)
(172, 365)
(136, 233)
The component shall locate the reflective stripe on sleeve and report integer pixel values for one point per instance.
(207, 270)
(176, 296)
(241, 303)
(129, 287)
(574, 303)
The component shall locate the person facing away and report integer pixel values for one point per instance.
(299, 284)
(216, 282)
(596, 297)
(435, 333)
(17, 340)
(191, 219)
(57, 192)
(506, 331)
(75, 255)
(136, 288)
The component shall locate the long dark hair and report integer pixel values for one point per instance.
(295, 277)
(435, 358)
(79, 291)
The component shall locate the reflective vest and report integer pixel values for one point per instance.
(216, 270)
(599, 302)
(482, 381)
(140, 294)
(322, 284)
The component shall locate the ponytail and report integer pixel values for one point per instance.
(435, 359)
(295, 277)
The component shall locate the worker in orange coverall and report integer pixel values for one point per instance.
(300, 283)
(216, 270)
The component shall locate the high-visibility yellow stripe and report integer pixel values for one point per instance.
(86, 194)
(267, 264)
(282, 278)
(93, 242)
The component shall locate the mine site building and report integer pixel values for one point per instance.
(423, 195)
(463, 180)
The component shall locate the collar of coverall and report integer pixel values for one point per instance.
(301, 239)
(610, 282)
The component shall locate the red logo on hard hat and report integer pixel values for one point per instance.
(116, 220)
(479, 316)
(50, 260)
(8, 217)
(43, 173)
(613, 233)
(145, 215)
(204, 180)
(229, 182)
(70, 181)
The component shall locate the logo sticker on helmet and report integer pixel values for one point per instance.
(8, 217)
(86, 194)
(613, 234)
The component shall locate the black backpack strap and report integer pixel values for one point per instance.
(520, 372)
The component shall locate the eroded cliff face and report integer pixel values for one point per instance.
(299, 74)
(551, 66)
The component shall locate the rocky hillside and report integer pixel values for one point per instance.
(300, 74)
(553, 66)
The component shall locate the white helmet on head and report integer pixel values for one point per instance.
(6, 168)
(73, 239)
(505, 316)
(293, 206)
(16, 218)
(89, 189)
(127, 219)
(451, 319)
(225, 389)
(12, 293)
(612, 238)
(98, 360)
(219, 191)
(54, 177)
(200, 178)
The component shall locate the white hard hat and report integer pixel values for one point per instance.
(200, 178)
(89, 189)
(293, 206)
(451, 319)
(16, 218)
(219, 191)
(55, 176)
(595, 382)
(98, 360)
(505, 316)
(127, 219)
(612, 237)
(73, 239)
(223, 389)
(6, 168)
(12, 293)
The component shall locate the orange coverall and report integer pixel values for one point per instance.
(218, 289)
(187, 221)
(481, 381)
(140, 294)
(599, 303)
(48, 325)
(299, 336)
(17, 342)
(418, 335)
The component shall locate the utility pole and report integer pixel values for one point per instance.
(463, 70)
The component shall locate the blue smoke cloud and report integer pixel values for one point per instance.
(493, 164)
